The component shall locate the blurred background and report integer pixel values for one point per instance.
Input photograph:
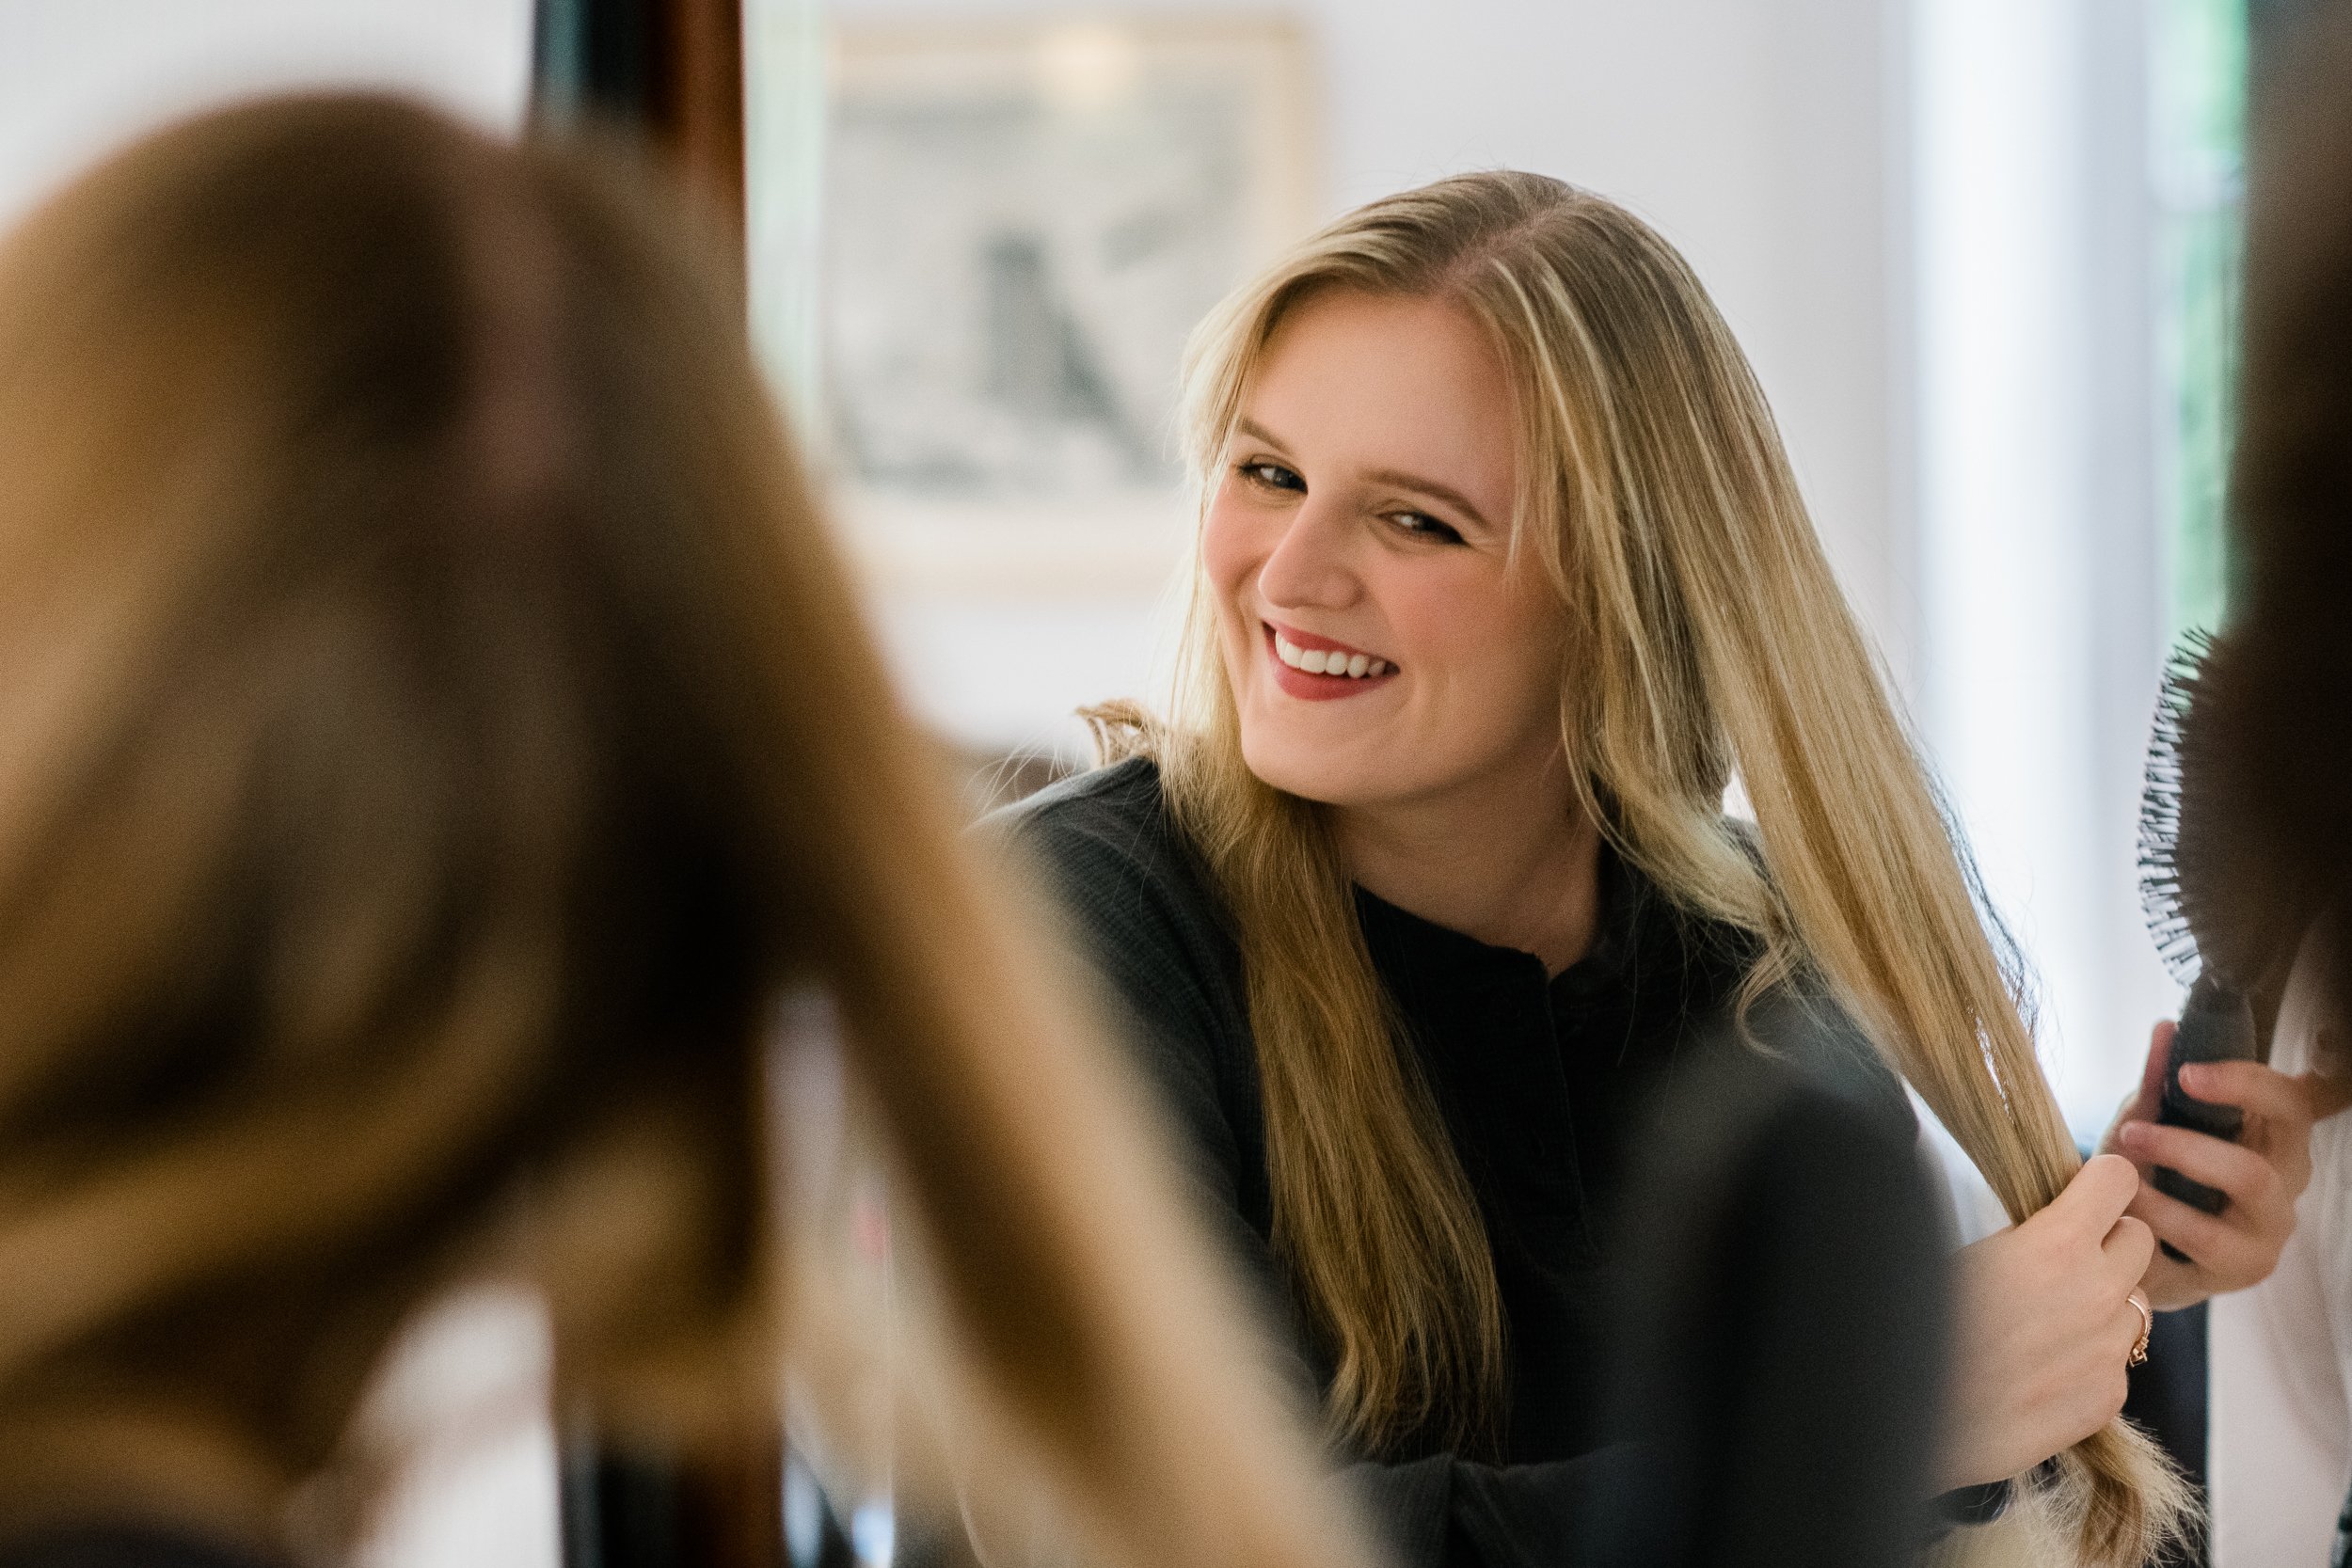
(1983, 254)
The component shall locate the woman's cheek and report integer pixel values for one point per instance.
(1496, 664)
(1440, 627)
(1227, 547)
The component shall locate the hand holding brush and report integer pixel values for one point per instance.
(2222, 1142)
(2202, 1251)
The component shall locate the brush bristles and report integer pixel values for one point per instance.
(2160, 809)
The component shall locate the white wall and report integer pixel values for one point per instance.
(77, 76)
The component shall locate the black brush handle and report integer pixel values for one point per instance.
(2215, 1025)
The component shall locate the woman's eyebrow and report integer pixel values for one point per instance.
(1429, 488)
(1257, 432)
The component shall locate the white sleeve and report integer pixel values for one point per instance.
(2278, 1450)
(2280, 1455)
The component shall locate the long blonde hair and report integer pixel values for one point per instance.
(435, 729)
(1707, 638)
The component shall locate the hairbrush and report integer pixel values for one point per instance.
(2216, 1022)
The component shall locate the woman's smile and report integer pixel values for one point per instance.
(1316, 668)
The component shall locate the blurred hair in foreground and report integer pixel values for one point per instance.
(2265, 830)
(435, 733)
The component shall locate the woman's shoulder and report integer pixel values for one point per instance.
(1135, 900)
(1119, 866)
(1123, 804)
(1107, 832)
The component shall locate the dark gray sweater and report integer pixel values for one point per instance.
(1542, 1082)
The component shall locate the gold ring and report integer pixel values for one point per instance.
(2147, 1327)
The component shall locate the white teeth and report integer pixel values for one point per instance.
(1322, 661)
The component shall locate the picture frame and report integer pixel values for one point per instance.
(1022, 223)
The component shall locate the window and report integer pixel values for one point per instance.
(2197, 112)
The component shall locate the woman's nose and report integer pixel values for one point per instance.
(1309, 565)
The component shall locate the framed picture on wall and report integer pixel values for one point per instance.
(1021, 225)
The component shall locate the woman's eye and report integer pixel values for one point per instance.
(1426, 527)
(1272, 476)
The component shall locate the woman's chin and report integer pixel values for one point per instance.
(1312, 770)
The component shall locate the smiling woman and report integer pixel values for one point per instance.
(1382, 512)
(1410, 953)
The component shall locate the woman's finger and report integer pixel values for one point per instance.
(2093, 1200)
(2279, 1113)
(2147, 1098)
(2223, 1256)
(2246, 1176)
(2251, 1087)
(2125, 1249)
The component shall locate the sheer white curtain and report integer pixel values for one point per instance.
(2040, 601)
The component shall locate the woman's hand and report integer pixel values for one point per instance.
(2046, 1328)
(2262, 1173)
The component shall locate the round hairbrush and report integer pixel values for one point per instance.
(2216, 1024)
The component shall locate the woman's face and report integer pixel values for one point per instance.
(1361, 526)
